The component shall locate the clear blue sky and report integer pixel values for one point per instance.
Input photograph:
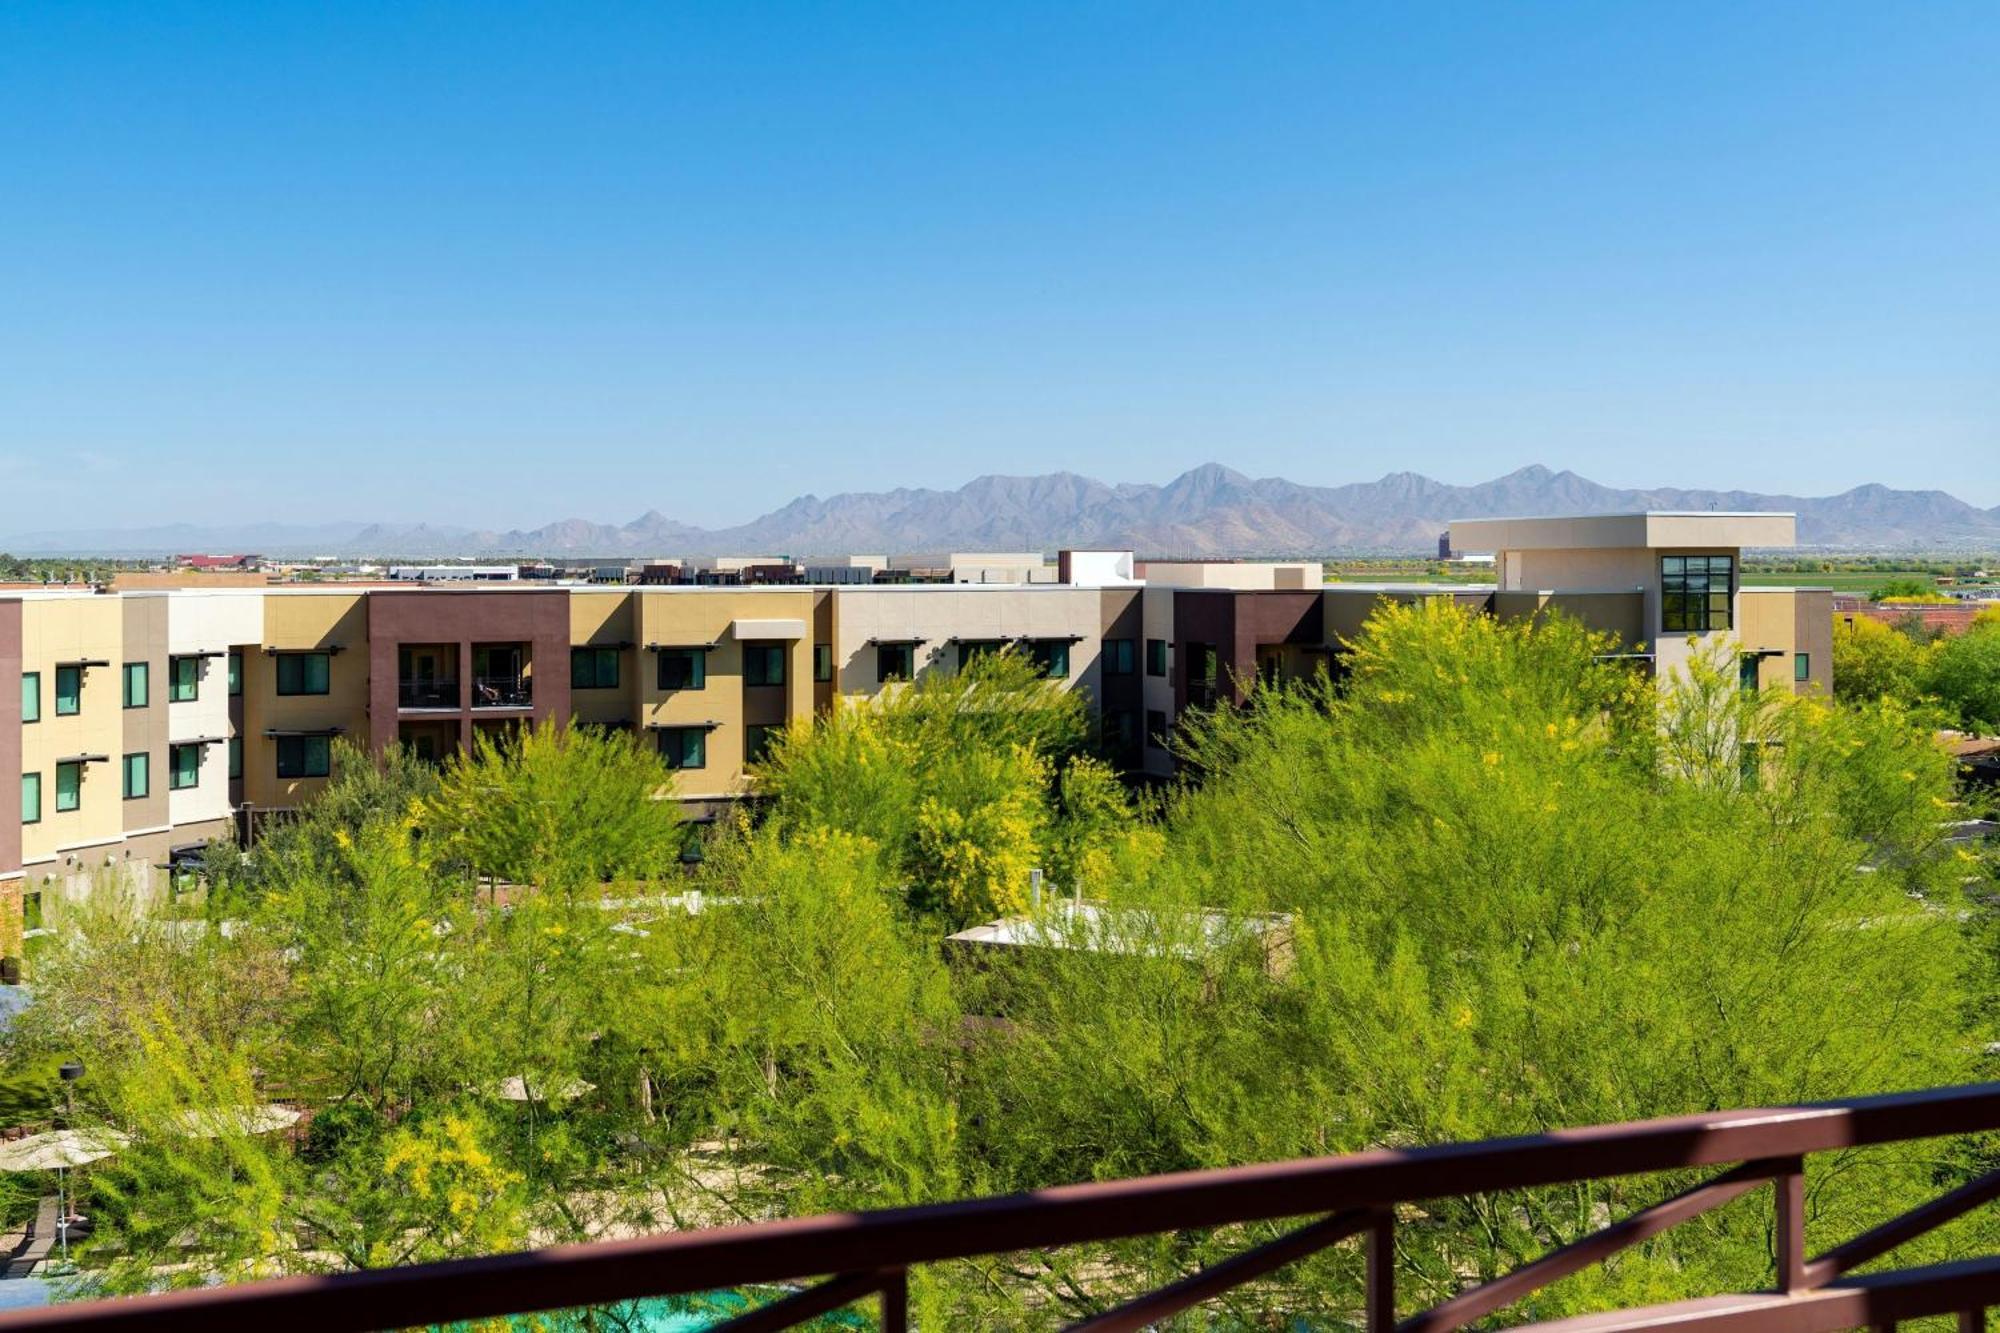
(533, 261)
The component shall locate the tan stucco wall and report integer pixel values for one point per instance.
(939, 614)
(303, 620)
(608, 618)
(704, 615)
(68, 629)
(1790, 621)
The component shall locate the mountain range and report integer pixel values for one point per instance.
(1209, 511)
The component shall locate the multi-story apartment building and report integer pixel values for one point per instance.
(135, 726)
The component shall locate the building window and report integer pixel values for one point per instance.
(1121, 728)
(69, 692)
(895, 661)
(138, 684)
(1156, 657)
(304, 756)
(593, 668)
(763, 664)
(971, 650)
(69, 785)
(183, 767)
(1156, 728)
(31, 696)
(1746, 672)
(235, 758)
(683, 668)
(1118, 659)
(31, 798)
(1051, 657)
(183, 679)
(1695, 592)
(822, 662)
(305, 673)
(235, 673)
(757, 742)
(684, 747)
(138, 775)
(1801, 666)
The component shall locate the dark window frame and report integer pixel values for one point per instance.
(145, 670)
(1047, 654)
(145, 770)
(586, 667)
(1691, 602)
(1156, 729)
(304, 750)
(757, 737)
(1120, 657)
(696, 675)
(183, 680)
(76, 787)
(1801, 667)
(31, 780)
(767, 656)
(1157, 657)
(294, 665)
(76, 695)
(31, 692)
(235, 758)
(677, 738)
(886, 657)
(235, 673)
(174, 753)
(822, 663)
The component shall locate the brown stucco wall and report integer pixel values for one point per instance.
(465, 617)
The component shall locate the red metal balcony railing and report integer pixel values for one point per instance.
(870, 1254)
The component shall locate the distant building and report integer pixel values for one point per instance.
(454, 573)
(218, 562)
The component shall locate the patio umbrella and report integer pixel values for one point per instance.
(212, 1122)
(58, 1150)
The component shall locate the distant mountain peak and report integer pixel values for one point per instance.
(1209, 510)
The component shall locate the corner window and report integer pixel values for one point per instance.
(304, 756)
(1156, 657)
(183, 767)
(1051, 657)
(894, 661)
(235, 673)
(1695, 592)
(69, 786)
(1801, 666)
(138, 775)
(757, 742)
(138, 684)
(183, 679)
(31, 798)
(593, 668)
(31, 696)
(304, 673)
(683, 668)
(1118, 657)
(684, 747)
(822, 662)
(763, 664)
(69, 694)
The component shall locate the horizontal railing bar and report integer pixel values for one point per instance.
(1503, 1291)
(1878, 1241)
(689, 1261)
(795, 1309)
(1878, 1299)
(1154, 1306)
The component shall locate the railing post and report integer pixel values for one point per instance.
(1381, 1316)
(1790, 1189)
(896, 1301)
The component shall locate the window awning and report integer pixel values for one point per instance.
(897, 643)
(683, 647)
(208, 652)
(303, 731)
(1051, 638)
(682, 726)
(305, 652)
(86, 662)
(201, 740)
(768, 629)
(1762, 652)
(619, 646)
(84, 759)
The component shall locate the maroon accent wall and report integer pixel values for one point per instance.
(465, 617)
(1236, 622)
(10, 734)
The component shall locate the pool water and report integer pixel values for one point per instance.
(667, 1314)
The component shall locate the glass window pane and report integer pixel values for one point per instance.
(138, 684)
(1801, 666)
(235, 757)
(69, 690)
(138, 775)
(31, 696)
(236, 673)
(319, 756)
(319, 670)
(31, 798)
(69, 786)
